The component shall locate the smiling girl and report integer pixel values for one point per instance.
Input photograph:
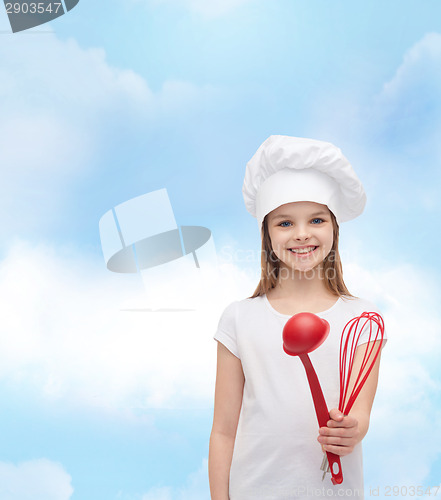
(265, 443)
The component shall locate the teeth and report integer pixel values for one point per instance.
(303, 250)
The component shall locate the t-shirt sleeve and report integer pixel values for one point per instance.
(226, 329)
(371, 326)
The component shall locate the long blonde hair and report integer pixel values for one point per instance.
(331, 265)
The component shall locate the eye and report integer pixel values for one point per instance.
(317, 219)
(284, 222)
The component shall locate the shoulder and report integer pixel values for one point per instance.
(241, 307)
(358, 305)
(355, 307)
(234, 320)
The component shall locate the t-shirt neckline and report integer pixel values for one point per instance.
(267, 302)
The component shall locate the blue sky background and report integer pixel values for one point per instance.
(105, 104)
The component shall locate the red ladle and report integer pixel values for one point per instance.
(303, 333)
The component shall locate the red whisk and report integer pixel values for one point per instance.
(348, 345)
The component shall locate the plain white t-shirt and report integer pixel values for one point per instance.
(276, 453)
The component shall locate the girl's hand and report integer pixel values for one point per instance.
(341, 434)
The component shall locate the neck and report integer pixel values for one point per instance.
(302, 285)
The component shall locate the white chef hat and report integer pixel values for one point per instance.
(286, 169)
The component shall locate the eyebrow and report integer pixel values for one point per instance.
(322, 212)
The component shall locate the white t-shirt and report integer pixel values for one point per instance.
(276, 453)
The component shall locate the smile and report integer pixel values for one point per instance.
(304, 252)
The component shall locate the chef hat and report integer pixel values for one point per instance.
(286, 169)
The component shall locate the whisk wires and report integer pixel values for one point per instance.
(348, 345)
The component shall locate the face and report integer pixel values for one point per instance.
(298, 226)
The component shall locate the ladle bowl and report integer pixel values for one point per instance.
(303, 333)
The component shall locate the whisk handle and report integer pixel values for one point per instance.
(322, 413)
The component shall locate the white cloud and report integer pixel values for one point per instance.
(56, 99)
(407, 111)
(392, 133)
(418, 76)
(66, 334)
(67, 82)
(62, 106)
(404, 111)
(196, 487)
(34, 479)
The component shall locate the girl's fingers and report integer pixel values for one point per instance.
(347, 432)
(336, 414)
(340, 434)
(347, 421)
(336, 441)
(339, 450)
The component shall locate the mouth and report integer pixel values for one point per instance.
(302, 253)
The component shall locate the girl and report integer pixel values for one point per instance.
(265, 442)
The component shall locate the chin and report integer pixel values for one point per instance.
(305, 270)
(308, 268)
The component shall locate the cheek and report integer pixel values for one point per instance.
(275, 243)
(277, 250)
(329, 239)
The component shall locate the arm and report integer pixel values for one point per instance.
(344, 432)
(227, 404)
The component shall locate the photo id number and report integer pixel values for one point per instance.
(32, 7)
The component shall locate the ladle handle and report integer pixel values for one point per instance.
(322, 413)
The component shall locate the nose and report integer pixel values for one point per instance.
(302, 233)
